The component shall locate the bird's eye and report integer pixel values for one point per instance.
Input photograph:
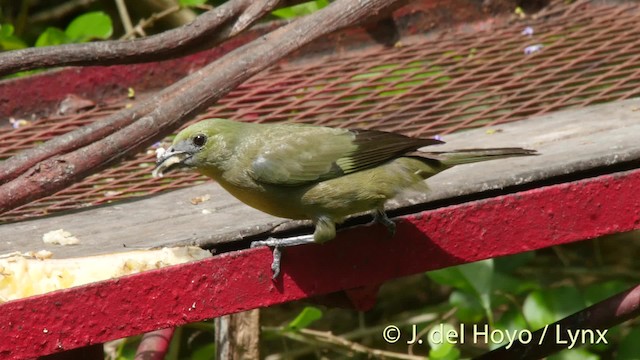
(199, 140)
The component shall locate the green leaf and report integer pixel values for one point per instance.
(300, 9)
(8, 41)
(127, 349)
(507, 284)
(12, 43)
(205, 352)
(6, 30)
(575, 354)
(441, 348)
(546, 306)
(474, 278)
(599, 291)
(307, 316)
(508, 264)
(89, 26)
(511, 322)
(450, 276)
(284, 13)
(468, 307)
(537, 309)
(450, 353)
(190, 3)
(479, 275)
(52, 36)
(630, 346)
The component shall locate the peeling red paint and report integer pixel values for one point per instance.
(359, 257)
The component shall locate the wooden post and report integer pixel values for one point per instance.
(238, 336)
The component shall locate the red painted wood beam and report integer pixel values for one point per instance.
(362, 256)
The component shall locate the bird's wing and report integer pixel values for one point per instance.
(376, 147)
(299, 155)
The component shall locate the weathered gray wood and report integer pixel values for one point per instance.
(569, 141)
(168, 219)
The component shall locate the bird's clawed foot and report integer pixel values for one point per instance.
(277, 245)
(380, 217)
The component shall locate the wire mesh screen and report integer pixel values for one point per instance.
(423, 86)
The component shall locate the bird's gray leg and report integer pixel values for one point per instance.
(380, 217)
(285, 242)
(325, 231)
(278, 244)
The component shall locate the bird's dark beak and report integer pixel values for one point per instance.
(169, 160)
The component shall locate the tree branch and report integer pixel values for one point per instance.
(112, 52)
(209, 28)
(59, 11)
(600, 316)
(162, 114)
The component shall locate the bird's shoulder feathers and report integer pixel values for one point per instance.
(295, 155)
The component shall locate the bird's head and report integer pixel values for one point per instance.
(204, 146)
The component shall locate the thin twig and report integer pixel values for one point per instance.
(328, 338)
(426, 329)
(353, 335)
(148, 22)
(124, 16)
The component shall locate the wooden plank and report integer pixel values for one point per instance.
(569, 141)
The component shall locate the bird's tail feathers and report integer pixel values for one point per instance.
(467, 156)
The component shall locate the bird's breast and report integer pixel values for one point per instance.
(282, 202)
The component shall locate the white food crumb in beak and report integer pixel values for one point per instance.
(159, 152)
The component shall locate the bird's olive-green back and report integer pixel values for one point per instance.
(300, 154)
(296, 154)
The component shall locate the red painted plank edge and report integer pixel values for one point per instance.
(361, 256)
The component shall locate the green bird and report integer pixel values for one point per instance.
(310, 172)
